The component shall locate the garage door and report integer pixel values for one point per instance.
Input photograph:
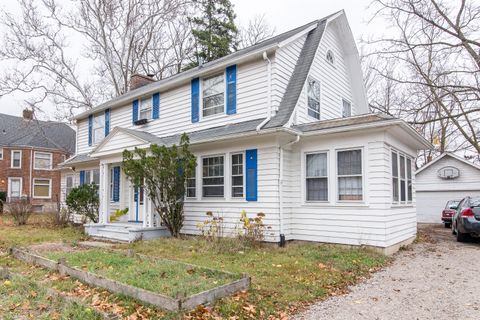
(431, 203)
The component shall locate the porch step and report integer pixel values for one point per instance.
(124, 232)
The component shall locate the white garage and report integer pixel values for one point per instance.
(447, 177)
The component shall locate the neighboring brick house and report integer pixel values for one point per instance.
(30, 151)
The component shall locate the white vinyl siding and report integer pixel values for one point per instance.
(335, 79)
(42, 160)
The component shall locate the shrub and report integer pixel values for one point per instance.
(253, 229)
(84, 200)
(20, 209)
(118, 214)
(212, 228)
(3, 198)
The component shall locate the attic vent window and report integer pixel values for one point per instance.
(330, 58)
(448, 173)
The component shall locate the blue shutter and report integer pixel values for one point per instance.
(251, 178)
(156, 106)
(116, 184)
(134, 111)
(107, 122)
(195, 99)
(90, 129)
(82, 177)
(232, 89)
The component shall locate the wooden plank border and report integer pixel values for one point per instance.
(156, 299)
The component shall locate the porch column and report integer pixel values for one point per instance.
(131, 204)
(146, 211)
(104, 193)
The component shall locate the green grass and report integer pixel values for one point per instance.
(22, 298)
(37, 230)
(283, 279)
(161, 276)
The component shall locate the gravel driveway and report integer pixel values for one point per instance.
(434, 280)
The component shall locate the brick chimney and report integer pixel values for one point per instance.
(27, 114)
(139, 80)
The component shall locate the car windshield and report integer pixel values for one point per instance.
(475, 202)
(453, 204)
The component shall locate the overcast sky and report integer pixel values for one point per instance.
(283, 15)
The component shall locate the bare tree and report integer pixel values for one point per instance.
(428, 72)
(77, 54)
(257, 30)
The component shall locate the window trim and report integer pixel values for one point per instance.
(337, 191)
(99, 115)
(201, 96)
(304, 172)
(224, 176)
(35, 158)
(10, 184)
(310, 77)
(408, 201)
(343, 105)
(150, 114)
(49, 188)
(243, 175)
(12, 158)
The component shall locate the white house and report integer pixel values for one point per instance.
(282, 127)
(448, 177)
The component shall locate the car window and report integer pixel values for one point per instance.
(475, 202)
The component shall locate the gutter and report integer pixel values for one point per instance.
(280, 190)
(269, 85)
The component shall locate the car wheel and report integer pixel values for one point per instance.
(448, 225)
(461, 237)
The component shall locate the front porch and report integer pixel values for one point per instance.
(124, 231)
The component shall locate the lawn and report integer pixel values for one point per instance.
(161, 276)
(283, 279)
(39, 229)
(24, 299)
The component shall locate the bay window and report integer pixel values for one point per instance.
(350, 175)
(213, 176)
(213, 95)
(316, 177)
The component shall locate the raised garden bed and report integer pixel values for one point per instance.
(170, 285)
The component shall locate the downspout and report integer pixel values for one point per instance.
(269, 85)
(31, 174)
(280, 191)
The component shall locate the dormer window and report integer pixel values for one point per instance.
(313, 95)
(145, 108)
(330, 57)
(213, 95)
(98, 128)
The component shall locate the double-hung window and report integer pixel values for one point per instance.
(43, 161)
(213, 95)
(192, 184)
(98, 128)
(69, 185)
(16, 159)
(213, 176)
(146, 108)
(349, 173)
(1, 154)
(346, 108)
(237, 175)
(42, 188)
(313, 97)
(316, 177)
(401, 178)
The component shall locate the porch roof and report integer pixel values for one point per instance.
(77, 159)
